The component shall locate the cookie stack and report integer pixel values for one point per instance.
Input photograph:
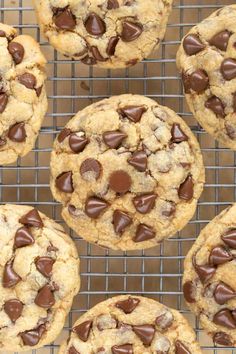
(128, 173)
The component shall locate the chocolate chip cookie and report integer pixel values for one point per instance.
(209, 278)
(39, 276)
(106, 33)
(23, 101)
(207, 61)
(128, 172)
(131, 325)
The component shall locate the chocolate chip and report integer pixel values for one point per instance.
(63, 135)
(64, 182)
(199, 81)
(228, 69)
(189, 290)
(38, 90)
(45, 297)
(223, 293)
(33, 336)
(220, 40)
(222, 338)
(129, 305)
(32, 218)
(87, 60)
(145, 333)
(139, 160)
(180, 348)
(122, 349)
(165, 320)
(44, 265)
(72, 350)
(52, 248)
(216, 106)
(192, 44)
(169, 210)
(94, 207)
(10, 277)
(17, 52)
(77, 143)
(17, 133)
(111, 47)
(131, 31)
(13, 309)
(185, 191)
(95, 25)
(113, 139)
(64, 19)
(134, 113)
(23, 237)
(144, 233)
(90, 169)
(145, 203)
(177, 134)
(205, 272)
(96, 54)
(106, 321)
(120, 182)
(83, 330)
(3, 102)
(112, 4)
(230, 238)
(28, 80)
(2, 33)
(120, 221)
(219, 255)
(224, 318)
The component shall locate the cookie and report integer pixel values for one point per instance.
(207, 61)
(105, 33)
(128, 172)
(131, 325)
(23, 100)
(209, 278)
(39, 276)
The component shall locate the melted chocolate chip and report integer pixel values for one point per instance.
(222, 338)
(165, 320)
(189, 290)
(224, 318)
(199, 81)
(23, 237)
(180, 348)
(219, 255)
(144, 233)
(45, 297)
(129, 305)
(133, 113)
(10, 277)
(177, 134)
(63, 135)
(2, 33)
(169, 210)
(95, 25)
(13, 309)
(220, 40)
(145, 333)
(145, 203)
(17, 133)
(38, 90)
(112, 4)
(64, 182)
(139, 161)
(28, 80)
(185, 191)
(90, 169)
(44, 265)
(228, 69)
(3, 102)
(64, 19)
(113, 139)
(131, 31)
(230, 238)
(17, 52)
(122, 349)
(95, 206)
(87, 60)
(72, 350)
(96, 54)
(33, 336)
(192, 44)
(111, 47)
(120, 182)
(120, 221)
(216, 106)
(83, 330)
(77, 143)
(32, 218)
(223, 293)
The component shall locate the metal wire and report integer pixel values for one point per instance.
(71, 86)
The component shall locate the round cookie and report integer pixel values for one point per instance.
(39, 276)
(209, 278)
(128, 172)
(105, 33)
(131, 325)
(23, 100)
(207, 61)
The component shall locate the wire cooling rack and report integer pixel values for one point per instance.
(71, 86)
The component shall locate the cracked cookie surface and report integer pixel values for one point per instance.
(128, 172)
(131, 325)
(39, 276)
(106, 33)
(207, 61)
(209, 278)
(23, 100)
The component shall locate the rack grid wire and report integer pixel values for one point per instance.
(71, 86)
